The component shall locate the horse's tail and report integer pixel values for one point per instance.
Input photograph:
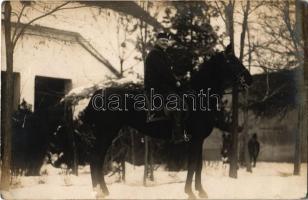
(87, 115)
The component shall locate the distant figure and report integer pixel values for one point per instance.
(226, 145)
(253, 148)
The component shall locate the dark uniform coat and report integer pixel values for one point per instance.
(158, 72)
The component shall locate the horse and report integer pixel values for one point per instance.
(218, 73)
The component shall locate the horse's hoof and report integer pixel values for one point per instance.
(192, 196)
(100, 195)
(202, 195)
(106, 192)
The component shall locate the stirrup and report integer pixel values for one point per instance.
(187, 137)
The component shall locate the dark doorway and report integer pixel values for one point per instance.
(47, 100)
(48, 94)
(49, 91)
(48, 114)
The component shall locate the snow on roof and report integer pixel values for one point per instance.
(79, 97)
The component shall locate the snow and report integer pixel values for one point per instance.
(268, 181)
(80, 96)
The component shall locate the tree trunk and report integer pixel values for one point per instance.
(229, 11)
(234, 136)
(151, 160)
(132, 148)
(7, 101)
(297, 152)
(305, 36)
(245, 132)
(123, 169)
(146, 152)
(246, 95)
(246, 118)
(301, 95)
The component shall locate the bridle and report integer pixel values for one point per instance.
(239, 77)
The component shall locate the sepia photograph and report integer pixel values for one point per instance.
(152, 99)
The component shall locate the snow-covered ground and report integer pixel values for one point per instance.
(268, 181)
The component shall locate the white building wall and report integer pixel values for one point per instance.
(275, 134)
(37, 55)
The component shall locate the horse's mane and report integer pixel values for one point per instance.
(211, 60)
(206, 70)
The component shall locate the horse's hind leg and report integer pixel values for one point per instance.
(94, 169)
(97, 166)
(101, 171)
(198, 182)
(191, 170)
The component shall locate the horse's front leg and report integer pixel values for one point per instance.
(198, 182)
(191, 170)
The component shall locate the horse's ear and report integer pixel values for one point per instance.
(229, 49)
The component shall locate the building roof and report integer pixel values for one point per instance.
(71, 36)
(126, 7)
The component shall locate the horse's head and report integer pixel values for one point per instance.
(222, 71)
(232, 69)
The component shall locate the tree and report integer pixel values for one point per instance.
(228, 18)
(125, 27)
(195, 38)
(301, 96)
(246, 120)
(10, 44)
(227, 12)
(7, 101)
(144, 43)
(282, 49)
(305, 36)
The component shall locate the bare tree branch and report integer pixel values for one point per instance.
(287, 20)
(23, 28)
(220, 13)
(73, 7)
(256, 7)
(244, 29)
(18, 21)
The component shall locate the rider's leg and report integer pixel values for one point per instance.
(178, 129)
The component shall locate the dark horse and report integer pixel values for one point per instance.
(218, 73)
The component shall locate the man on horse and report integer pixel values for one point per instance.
(158, 77)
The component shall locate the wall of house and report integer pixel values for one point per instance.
(276, 136)
(39, 55)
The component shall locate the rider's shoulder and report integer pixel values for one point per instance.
(155, 52)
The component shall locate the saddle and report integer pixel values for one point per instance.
(165, 114)
(156, 115)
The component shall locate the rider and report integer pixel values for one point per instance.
(158, 76)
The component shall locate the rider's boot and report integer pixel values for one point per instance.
(179, 134)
